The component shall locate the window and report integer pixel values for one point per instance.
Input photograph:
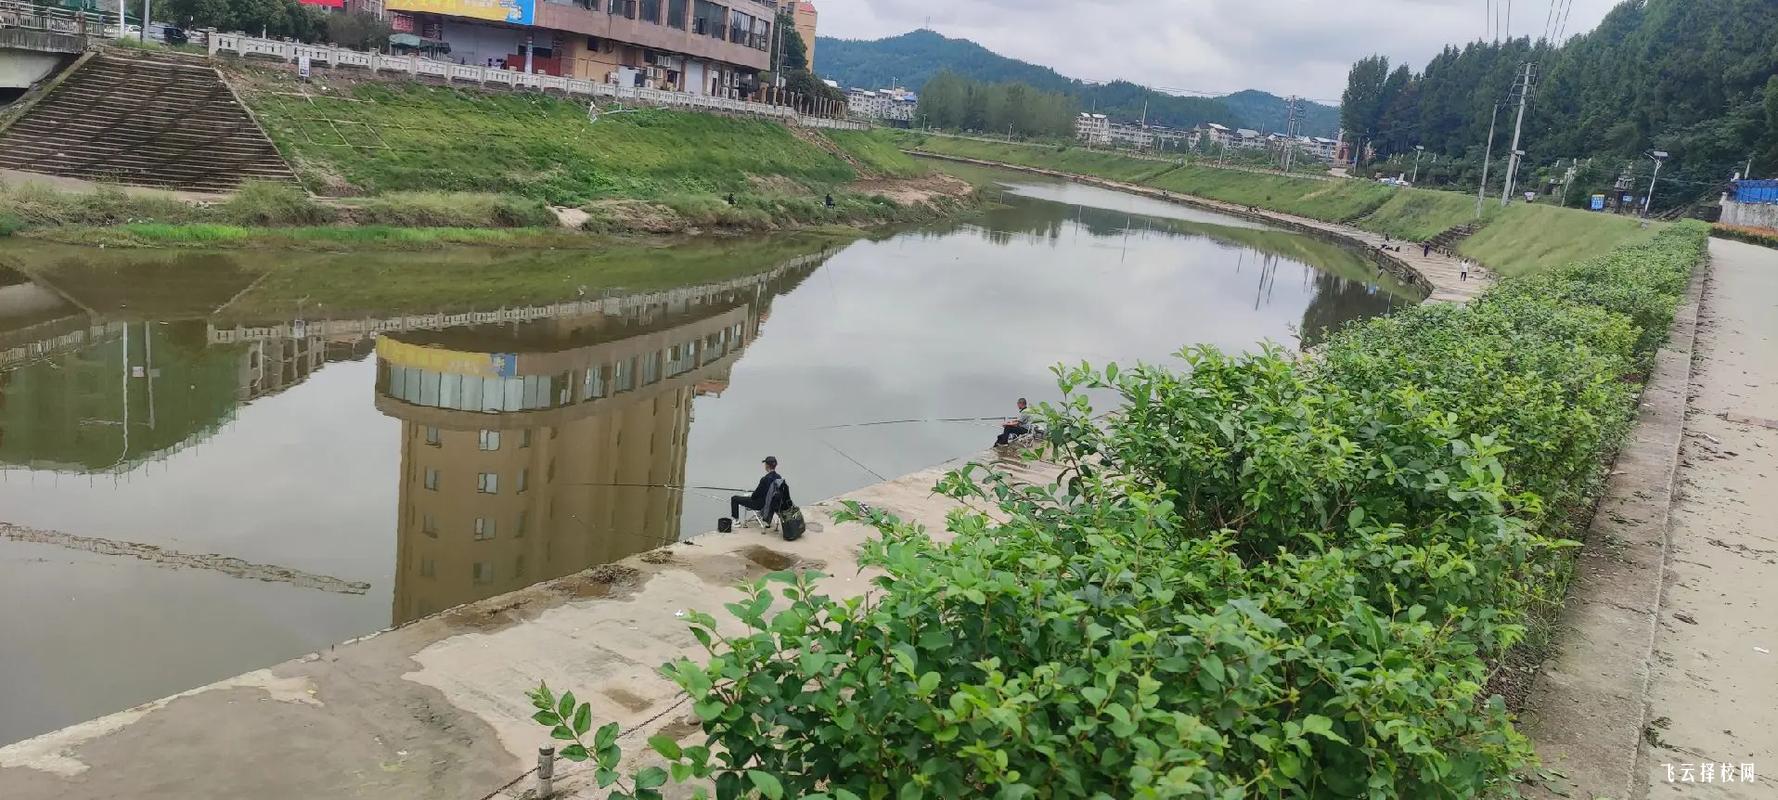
(518, 566)
(432, 435)
(676, 14)
(488, 483)
(429, 526)
(624, 8)
(525, 438)
(524, 523)
(431, 479)
(428, 568)
(484, 529)
(595, 381)
(482, 572)
(650, 10)
(591, 5)
(490, 440)
(550, 476)
(524, 481)
(708, 19)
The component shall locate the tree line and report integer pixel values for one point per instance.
(1695, 78)
(952, 101)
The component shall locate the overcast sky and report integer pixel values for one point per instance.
(1282, 46)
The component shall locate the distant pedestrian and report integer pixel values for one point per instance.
(830, 201)
(731, 198)
(1463, 270)
(1425, 249)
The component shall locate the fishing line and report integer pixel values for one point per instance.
(904, 422)
(860, 464)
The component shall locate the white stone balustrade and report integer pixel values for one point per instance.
(414, 65)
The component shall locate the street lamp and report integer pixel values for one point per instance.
(1418, 150)
(1659, 157)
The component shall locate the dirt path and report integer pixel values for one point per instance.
(1441, 274)
(1713, 690)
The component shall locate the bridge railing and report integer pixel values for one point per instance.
(16, 14)
(417, 66)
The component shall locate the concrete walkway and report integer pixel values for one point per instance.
(1713, 693)
(1669, 643)
(1440, 274)
(437, 709)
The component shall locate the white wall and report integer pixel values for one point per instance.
(21, 68)
(1756, 215)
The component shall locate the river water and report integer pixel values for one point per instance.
(210, 463)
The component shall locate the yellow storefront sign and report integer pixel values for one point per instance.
(517, 12)
(438, 359)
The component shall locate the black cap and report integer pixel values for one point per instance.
(770, 461)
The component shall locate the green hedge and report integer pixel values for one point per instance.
(1267, 576)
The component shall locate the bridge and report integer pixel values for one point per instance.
(34, 40)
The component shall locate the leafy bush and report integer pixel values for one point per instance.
(267, 203)
(1265, 577)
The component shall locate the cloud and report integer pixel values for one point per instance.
(1283, 46)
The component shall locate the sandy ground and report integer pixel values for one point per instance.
(1713, 693)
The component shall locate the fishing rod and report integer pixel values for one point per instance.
(698, 490)
(909, 421)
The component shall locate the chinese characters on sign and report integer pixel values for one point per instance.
(1710, 773)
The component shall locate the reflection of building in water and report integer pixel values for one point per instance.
(537, 449)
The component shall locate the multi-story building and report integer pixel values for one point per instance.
(1093, 128)
(697, 46)
(803, 12)
(1133, 136)
(1212, 135)
(894, 105)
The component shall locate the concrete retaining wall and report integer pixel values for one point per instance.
(1760, 215)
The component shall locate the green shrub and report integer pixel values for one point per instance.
(273, 203)
(1265, 576)
(454, 209)
(10, 224)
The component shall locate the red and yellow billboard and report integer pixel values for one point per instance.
(517, 12)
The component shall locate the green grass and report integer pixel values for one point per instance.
(1419, 214)
(377, 138)
(1523, 239)
(1512, 241)
(328, 237)
(877, 150)
(452, 210)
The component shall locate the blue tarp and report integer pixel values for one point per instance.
(1756, 191)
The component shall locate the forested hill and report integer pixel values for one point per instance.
(1695, 78)
(914, 57)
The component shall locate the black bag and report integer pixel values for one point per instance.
(790, 520)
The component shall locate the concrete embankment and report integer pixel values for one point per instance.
(437, 709)
(1437, 273)
(1668, 650)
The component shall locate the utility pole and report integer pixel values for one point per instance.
(1419, 150)
(144, 36)
(1482, 190)
(1512, 168)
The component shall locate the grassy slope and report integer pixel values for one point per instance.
(1523, 239)
(374, 138)
(1516, 240)
(877, 151)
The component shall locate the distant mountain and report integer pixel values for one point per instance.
(912, 58)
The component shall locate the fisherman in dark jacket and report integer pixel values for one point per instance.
(771, 493)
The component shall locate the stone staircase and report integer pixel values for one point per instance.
(1446, 241)
(164, 120)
